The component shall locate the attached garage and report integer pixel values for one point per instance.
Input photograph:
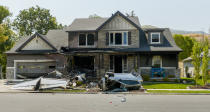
(33, 68)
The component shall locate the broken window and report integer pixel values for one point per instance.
(82, 39)
(155, 38)
(156, 62)
(118, 38)
(86, 39)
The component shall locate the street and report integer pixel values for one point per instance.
(39, 102)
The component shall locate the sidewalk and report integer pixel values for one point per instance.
(4, 88)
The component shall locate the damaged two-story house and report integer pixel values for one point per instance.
(116, 44)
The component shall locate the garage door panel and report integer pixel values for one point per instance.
(35, 67)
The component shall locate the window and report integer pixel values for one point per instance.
(86, 39)
(82, 39)
(156, 62)
(155, 38)
(118, 38)
(90, 39)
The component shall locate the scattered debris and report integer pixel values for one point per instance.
(123, 99)
(41, 83)
(54, 74)
(120, 82)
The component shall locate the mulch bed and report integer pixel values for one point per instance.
(200, 87)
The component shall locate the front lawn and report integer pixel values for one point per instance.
(177, 91)
(165, 85)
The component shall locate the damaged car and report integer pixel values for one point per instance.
(120, 82)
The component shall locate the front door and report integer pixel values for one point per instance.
(118, 64)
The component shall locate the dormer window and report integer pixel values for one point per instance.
(155, 38)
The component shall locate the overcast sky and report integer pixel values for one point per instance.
(176, 14)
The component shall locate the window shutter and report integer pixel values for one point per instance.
(129, 38)
(161, 38)
(96, 36)
(149, 38)
(107, 38)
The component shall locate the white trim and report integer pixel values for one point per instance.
(151, 37)
(123, 62)
(86, 45)
(122, 32)
(160, 60)
(16, 61)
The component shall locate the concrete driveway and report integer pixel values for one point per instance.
(28, 102)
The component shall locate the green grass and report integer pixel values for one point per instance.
(64, 91)
(166, 85)
(177, 91)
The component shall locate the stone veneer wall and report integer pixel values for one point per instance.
(168, 71)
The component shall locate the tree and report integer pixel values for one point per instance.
(131, 14)
(205, 61)
(7, 37)
(35, 19)
(94, 16)
(186, 44)
(196, 60)
(4, 13)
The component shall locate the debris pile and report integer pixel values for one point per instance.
(120, 82)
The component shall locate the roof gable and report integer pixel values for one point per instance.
(94, 24)
(118, 23)
(118, 13)
(36, 42)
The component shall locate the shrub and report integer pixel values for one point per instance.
(177, 80)
(154, 80)
(187, 80)
(146, 77)
(171, 76)
(165, 79)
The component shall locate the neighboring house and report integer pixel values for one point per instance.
(117, 44)
(187, 64)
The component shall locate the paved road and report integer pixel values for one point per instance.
(103, 103)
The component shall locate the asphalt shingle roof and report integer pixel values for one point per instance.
(167, 45)
(91, 24)
(58, 38)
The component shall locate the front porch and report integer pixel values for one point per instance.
(100, 63)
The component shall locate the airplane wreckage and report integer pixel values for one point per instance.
(115, 82)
